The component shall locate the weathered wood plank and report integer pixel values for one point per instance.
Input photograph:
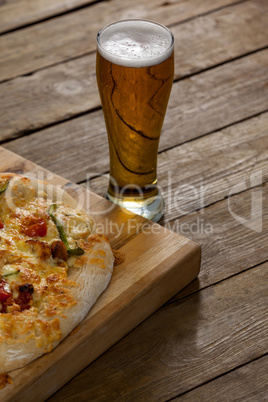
(62, 91)
(211, 168)
(196, 107)
(17, 13)
(186, 343)
(232, 233)
(72, 35)
(247, 383)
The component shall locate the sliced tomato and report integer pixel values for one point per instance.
(1, 224)
(4, 291)
(34, 227)
(36, 230)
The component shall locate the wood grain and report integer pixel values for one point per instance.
(196, 107)
(65, 90)
(229, 245)
(240, 384)
(73, 35)
(18, 13)
(22, 12)
(182, 345)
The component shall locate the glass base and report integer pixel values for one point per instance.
(151, 208)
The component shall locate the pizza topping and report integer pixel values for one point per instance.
(4, 186)
(1, 224)
(10, 304)
(70, 251)
(25, 296)
(10, 273)
(34, 227)
(40, 248)
(5, 291)
(59, 250)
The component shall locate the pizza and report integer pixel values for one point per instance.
(53, 267)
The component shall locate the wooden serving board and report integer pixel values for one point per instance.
(158, 264)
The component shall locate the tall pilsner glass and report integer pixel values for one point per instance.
(135, 69)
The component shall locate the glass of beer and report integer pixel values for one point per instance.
(135, 70)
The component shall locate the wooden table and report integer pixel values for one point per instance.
(209, 342)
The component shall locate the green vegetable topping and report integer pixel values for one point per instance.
(4, 186)
(71, 251)
(10, 273)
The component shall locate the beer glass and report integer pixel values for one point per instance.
(135, 69)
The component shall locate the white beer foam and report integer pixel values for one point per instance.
(135, 43)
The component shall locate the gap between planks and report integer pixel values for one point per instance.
(184, 294)
(221, 64)
(83, 5)
(193, 395)
(231, 247)
(48, 16)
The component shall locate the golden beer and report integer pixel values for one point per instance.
(135, 69)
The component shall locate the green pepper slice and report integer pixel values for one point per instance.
(71, 251)
(4, 186)
(11, 273)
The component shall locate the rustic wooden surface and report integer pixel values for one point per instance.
(209, 342)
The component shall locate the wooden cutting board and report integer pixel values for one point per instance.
(158, 264)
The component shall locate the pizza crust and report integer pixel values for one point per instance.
(33, 332)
